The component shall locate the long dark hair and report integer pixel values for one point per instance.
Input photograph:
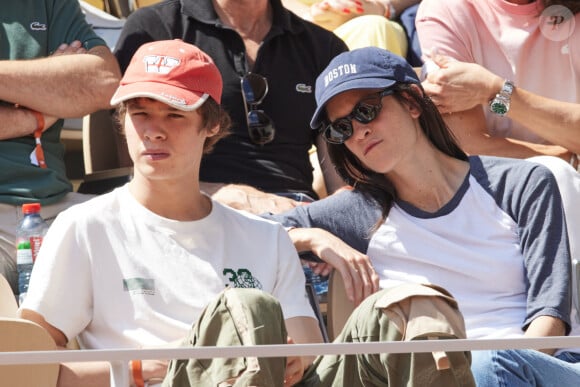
(376, 185)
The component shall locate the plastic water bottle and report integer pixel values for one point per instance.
(29, 235)
(320, 283)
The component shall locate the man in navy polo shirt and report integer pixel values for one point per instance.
(284, 54)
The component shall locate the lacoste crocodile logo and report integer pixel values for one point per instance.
(37, 26)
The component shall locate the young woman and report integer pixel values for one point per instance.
(490, 230)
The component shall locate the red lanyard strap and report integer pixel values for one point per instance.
(37, 134)
(137, 372)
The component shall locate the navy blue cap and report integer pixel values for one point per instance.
(363, 68)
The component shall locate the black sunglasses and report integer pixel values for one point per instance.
(260, 127)
(340, 130)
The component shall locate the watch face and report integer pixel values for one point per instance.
(499, 107)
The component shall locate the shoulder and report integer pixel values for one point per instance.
(515, 184)
(453, 7)
(501, 170)
(318, 33)
(308, 32)
(100, 209)
(164, 12)
(451, 14)
(243, 220)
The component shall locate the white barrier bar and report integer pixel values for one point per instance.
(284, 350)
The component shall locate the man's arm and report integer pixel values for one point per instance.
(469, 127)
(62, 85)
(301, 330)
(461, 90)
(87, 374)
(92, 374)
(247, 198)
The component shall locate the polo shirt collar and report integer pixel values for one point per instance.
(203, 11)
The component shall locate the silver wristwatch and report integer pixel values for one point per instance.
(500, 105)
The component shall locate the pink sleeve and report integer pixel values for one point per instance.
(444, 25)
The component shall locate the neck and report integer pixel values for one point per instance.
(250, 18)
(183, 202)
(430, 182)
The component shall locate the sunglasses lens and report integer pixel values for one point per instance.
(260, 127)
(254, 88)
(338, 132)
(365, 113)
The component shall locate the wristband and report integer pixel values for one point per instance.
(137, 373)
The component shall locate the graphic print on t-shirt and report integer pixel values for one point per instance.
(243, 278)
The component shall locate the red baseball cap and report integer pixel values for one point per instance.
(176, 73)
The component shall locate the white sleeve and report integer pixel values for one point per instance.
(290, 287)
(60, 286)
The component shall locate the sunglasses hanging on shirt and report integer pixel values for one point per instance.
(260, 127)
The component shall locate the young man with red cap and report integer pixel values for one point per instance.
(137, 267)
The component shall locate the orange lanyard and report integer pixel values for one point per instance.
(37, 134)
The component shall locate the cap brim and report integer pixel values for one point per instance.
(353, 84)
(173, 96)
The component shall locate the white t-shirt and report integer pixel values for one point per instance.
(119, 276)
(471, 246)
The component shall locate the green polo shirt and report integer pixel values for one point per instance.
(33, 29)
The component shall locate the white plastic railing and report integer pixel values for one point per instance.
(119, 358)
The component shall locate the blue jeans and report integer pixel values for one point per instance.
(525, 368)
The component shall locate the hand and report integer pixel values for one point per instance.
(294, 368)
(332, 13)
(75, 47)
(360, 278)
(154, 370)
(459, 86)
(249, 199)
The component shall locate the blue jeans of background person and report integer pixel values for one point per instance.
(525, 368)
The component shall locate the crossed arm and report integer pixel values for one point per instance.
(70, 83)
(244, 197)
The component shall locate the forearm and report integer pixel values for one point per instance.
(556, 121)
(304, 330)
(545, 326)
(508, 147)
(469, 127)
(97, 374)
(16, 122)
(302, 238)
(64, 86)
(88, 374)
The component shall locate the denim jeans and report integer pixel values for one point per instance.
(525, 368)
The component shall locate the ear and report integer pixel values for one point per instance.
(213, 131)
(414, 109)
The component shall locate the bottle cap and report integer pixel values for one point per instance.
(30, 208)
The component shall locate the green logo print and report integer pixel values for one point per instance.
(243, 278)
